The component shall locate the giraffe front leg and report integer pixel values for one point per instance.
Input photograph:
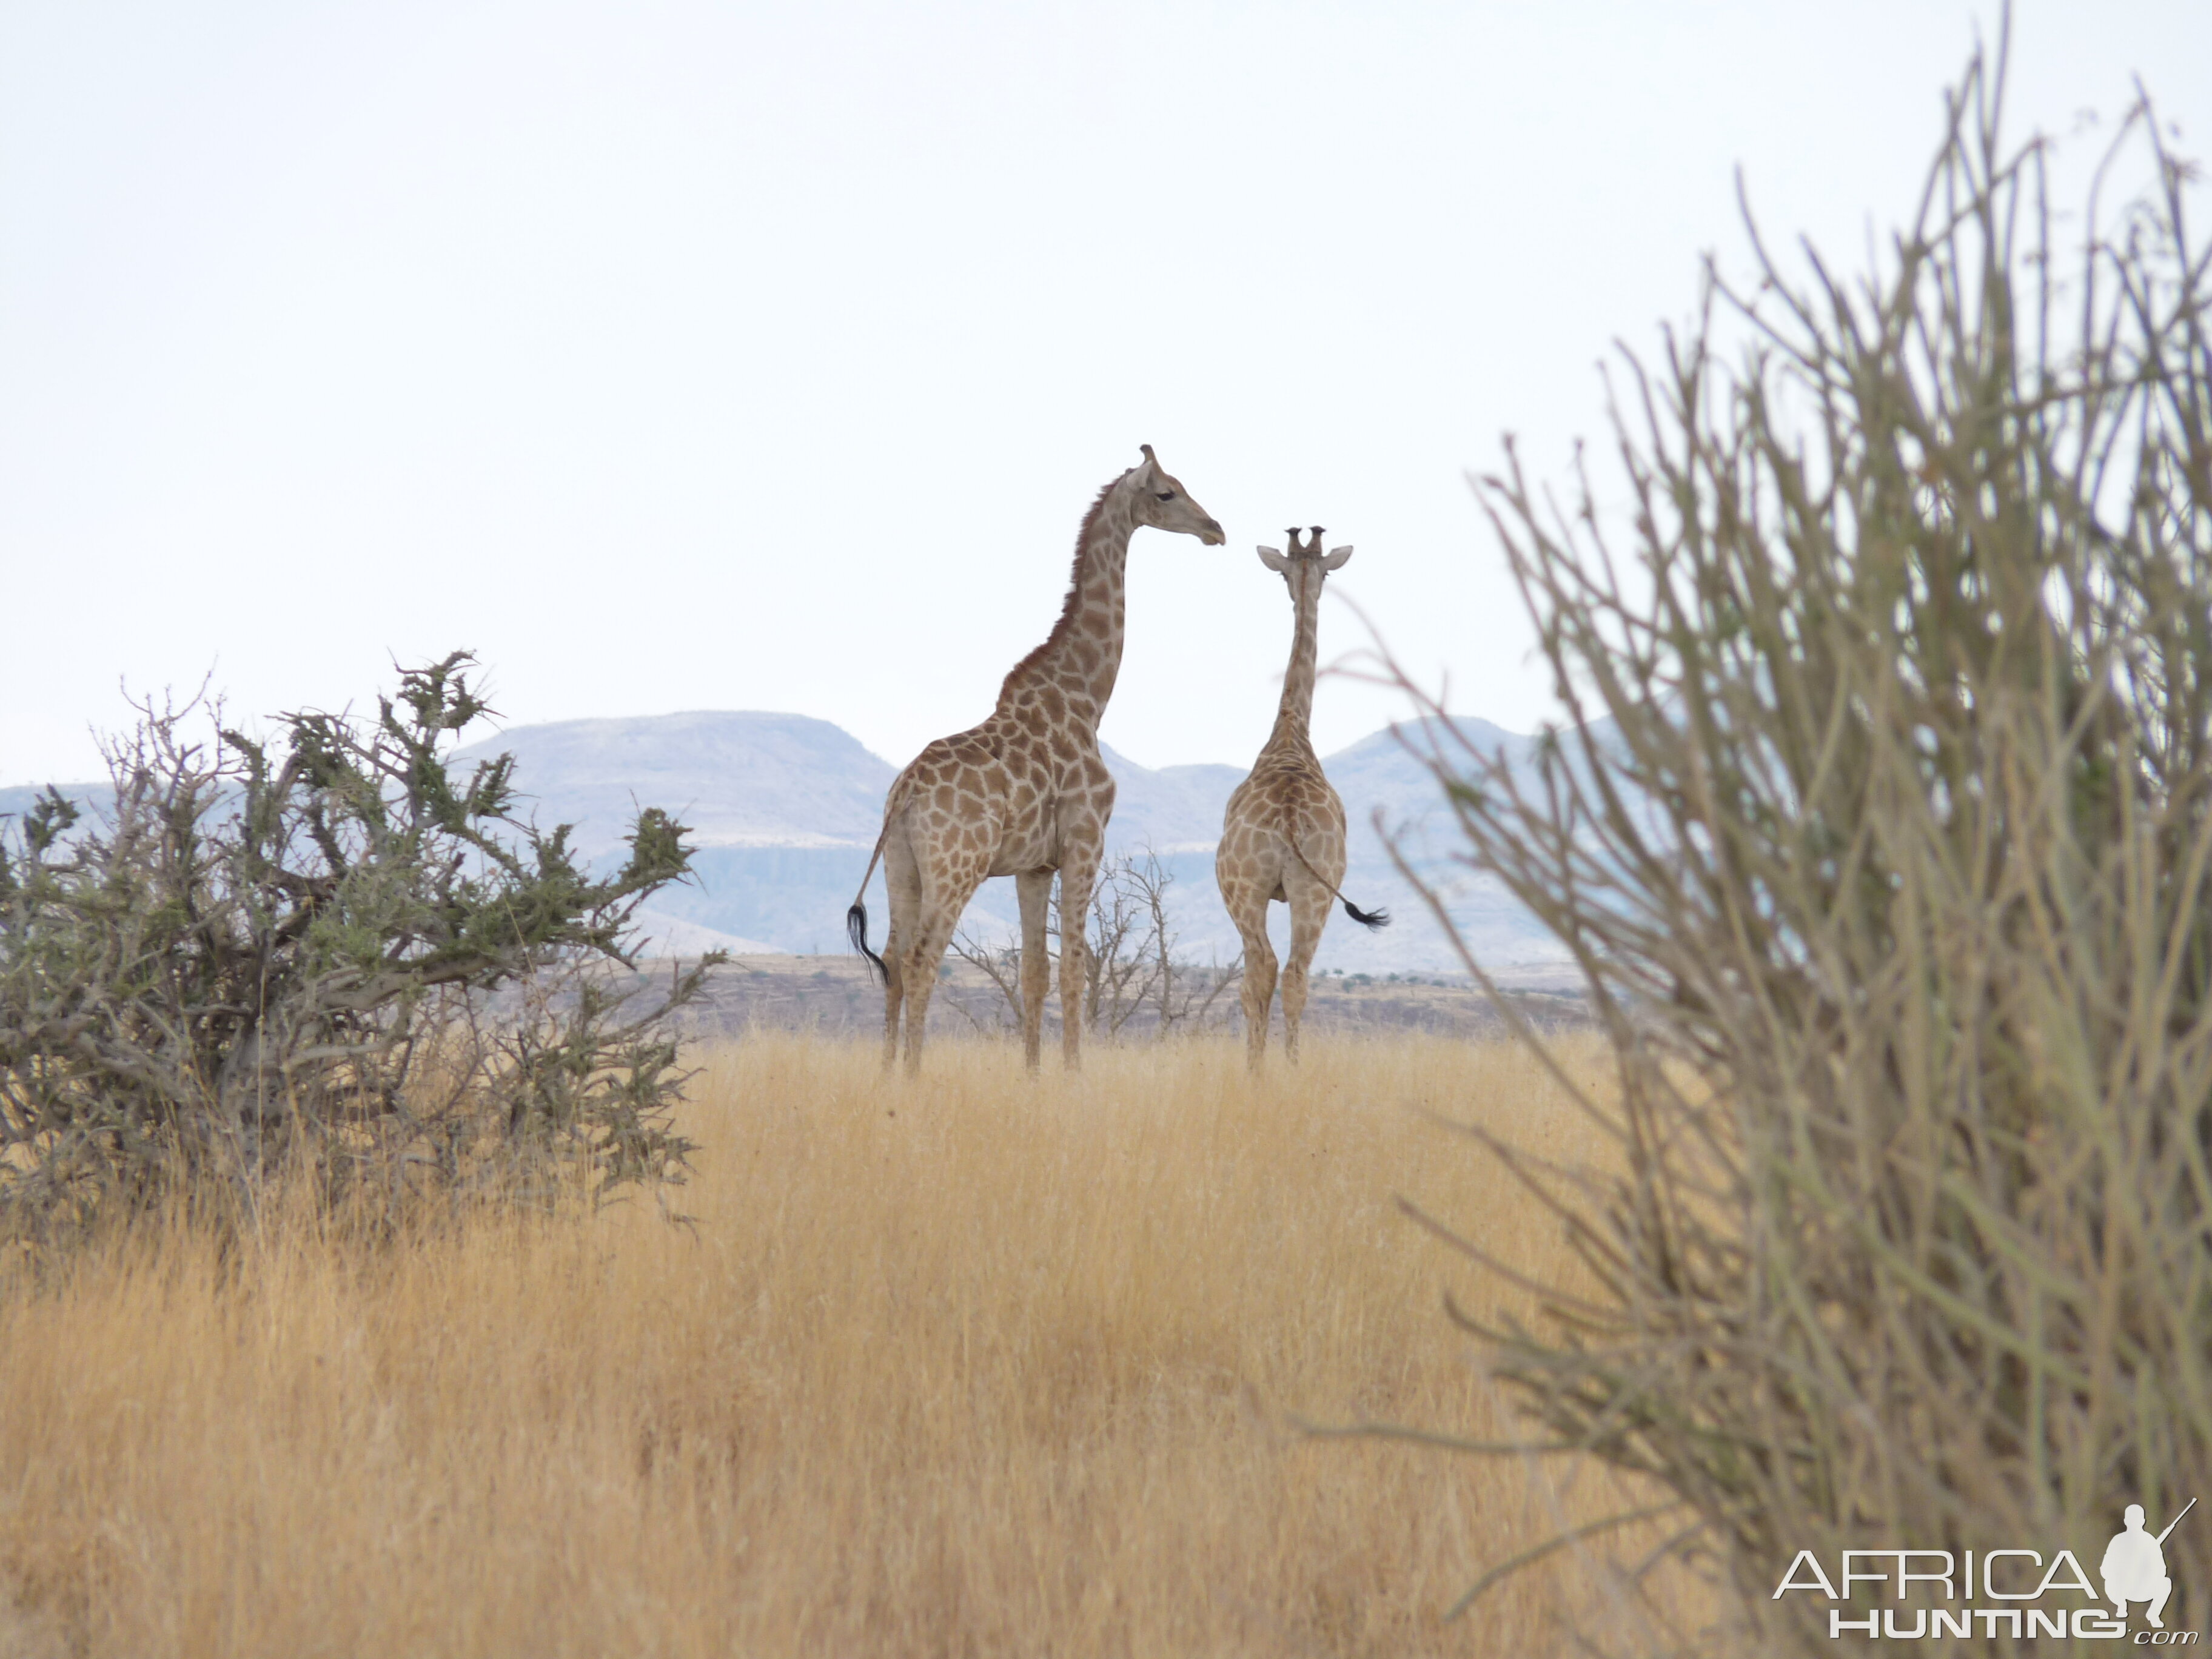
(1076, 874)
(1033, 889)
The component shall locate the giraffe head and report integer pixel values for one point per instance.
(1304, 569)
(1162, 501)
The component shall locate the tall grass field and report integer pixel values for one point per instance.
(981, 1365)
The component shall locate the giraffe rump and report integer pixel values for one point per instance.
(1373, 921)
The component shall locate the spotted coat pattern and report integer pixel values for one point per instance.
(1025, 793)
(1283, 835)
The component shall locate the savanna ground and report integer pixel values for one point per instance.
(974, 1366)
(835, 996)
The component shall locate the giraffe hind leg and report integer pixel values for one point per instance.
(1257, 991)
(903, 884)
(1245, 882)
(1310, 905)
(894, 997)
(943, 902)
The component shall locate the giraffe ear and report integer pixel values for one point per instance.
(1337, 559)
(1274, 561)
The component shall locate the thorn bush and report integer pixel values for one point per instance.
(332, 953)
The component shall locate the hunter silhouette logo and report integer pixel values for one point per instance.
(2023, 1585)
(2133, 1568)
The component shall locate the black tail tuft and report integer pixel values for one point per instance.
(856, 926)
(1374, 919)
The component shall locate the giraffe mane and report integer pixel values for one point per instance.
(1020, 671)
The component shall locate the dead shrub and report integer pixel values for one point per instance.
(1883, 833)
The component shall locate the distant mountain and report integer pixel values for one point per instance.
(16, 798)
(671, 936)
(738, 780)
(784, 810)
(1175, 809)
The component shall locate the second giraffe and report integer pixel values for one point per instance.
(1283, 839)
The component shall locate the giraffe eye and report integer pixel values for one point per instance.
(1167, 495)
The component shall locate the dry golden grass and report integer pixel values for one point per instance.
(979, 1365)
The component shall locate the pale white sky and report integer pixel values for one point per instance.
(681, 356)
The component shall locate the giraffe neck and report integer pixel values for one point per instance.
(1082, 656)
(1294, 714)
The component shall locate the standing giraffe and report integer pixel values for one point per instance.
(1283, 835)
(1025, 793)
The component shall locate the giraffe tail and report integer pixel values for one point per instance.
(856, 918)
(856, 926)
(1373, 921)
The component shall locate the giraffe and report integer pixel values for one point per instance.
(1283, 836)
(1023, 794)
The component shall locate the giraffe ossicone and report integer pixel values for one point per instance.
(1024, 794)
(1283, 835)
